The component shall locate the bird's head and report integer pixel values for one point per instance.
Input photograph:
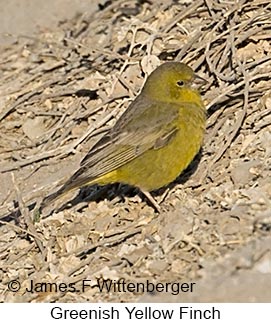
(173, 82)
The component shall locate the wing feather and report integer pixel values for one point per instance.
(127, 140)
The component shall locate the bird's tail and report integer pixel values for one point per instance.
(77, 180)
(73, 183)
(56, 195)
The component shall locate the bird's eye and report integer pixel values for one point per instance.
(180, 83)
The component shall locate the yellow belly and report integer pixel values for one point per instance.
(158, 167)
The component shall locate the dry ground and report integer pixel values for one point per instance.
(62, 89)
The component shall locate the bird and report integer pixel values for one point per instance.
(153, 141)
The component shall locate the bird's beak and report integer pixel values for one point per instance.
(198, 82)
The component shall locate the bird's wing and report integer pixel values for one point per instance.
(138, 130)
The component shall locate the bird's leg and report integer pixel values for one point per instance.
(152, 200)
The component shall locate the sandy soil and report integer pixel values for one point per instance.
(28, 17)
